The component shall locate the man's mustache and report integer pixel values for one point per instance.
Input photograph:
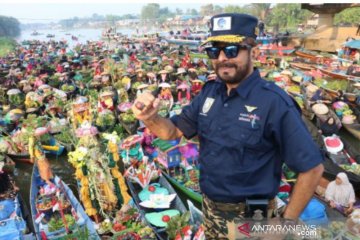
(228, 65)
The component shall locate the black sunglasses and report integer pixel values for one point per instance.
(231, 51)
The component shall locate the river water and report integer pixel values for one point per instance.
(83, 34)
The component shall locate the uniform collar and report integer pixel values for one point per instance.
(246, 86)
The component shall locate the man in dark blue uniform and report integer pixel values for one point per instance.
(247, 128)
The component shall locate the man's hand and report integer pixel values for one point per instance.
(145, 107)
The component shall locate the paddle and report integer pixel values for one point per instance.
(351, 160)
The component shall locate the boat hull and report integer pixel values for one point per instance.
(85, 222)
(194, 196)
(176, 203)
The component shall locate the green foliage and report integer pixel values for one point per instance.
(261, 10)
(3, 96)
(150, 11)
(178, 11)
(236, 9)
(207, 10)
(348, 16)
(16, 99)
(192, 12)
(176, 223)
(9, 27)
(67, 136)
(332, 84)
(286, 15)
(106, 119)
(7, 45)
(120, 130)
(112, 18)
(165, 13)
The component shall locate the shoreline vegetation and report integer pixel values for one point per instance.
(7, 45)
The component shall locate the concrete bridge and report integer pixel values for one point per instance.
(327, 11)
(328, 37)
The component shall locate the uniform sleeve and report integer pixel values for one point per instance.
(297, 148)
(187, 120)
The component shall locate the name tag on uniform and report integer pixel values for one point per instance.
(207, 105)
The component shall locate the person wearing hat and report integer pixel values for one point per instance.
(196, 87)
(328, 127)
(164, 77)
(140, 77)
(247, 128)
(151, 78)
(183, 96)
(37, 154)
(192, 74)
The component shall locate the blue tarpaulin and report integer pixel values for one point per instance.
(353, 44)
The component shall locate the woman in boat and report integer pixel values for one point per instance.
(37, 155)
(351, 69)
(328, 127)
(340, 194)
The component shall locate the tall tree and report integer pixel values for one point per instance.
(194, 12)
(207, 10)
(191, 11)
(9, 27)
(261, 10)
(178, 11)
(218, 9)
(287, 15)
(348, 16)
(165, 11)
(150, 11)
(236, 9)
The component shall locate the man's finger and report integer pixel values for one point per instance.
(156, 103)
(148, 106)
(140, 105)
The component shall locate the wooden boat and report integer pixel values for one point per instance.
(35, 33)
(274, 50)
(193, 195)
(50, 35)
(53, 149)
(304, 54)
(302, 66)
(18, 226)
(20, 157)
(338, 75)
(265, 40)
(196, 214)
(353, 129)
(192, 41)
(332, 168)
(9, 164)
(353, 126)
(82, 228)
(177, 204)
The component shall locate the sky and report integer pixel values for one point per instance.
(43, 11)
(30, 11)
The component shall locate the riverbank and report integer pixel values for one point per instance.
(7, 45)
